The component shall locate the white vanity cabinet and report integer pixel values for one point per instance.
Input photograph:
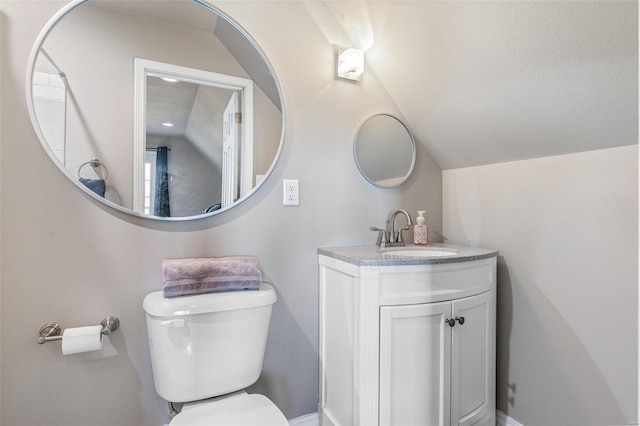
(407, 342)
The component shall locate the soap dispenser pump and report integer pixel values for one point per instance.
(420, 230)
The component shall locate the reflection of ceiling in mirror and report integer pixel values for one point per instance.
(249, 58)
(205, 128)
(195, 110)
(190, 14)
(181, 12)
(168, 102)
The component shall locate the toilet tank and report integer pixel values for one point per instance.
(209, 344)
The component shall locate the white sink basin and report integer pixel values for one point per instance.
(419, 253)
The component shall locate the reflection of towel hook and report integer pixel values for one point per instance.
(94, 162)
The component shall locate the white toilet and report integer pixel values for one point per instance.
(208, 347)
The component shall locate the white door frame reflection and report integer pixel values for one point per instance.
(242, 167)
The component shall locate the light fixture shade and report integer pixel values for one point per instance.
(351, 64)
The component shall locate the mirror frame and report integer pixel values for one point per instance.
(36, 126)
(413, 153)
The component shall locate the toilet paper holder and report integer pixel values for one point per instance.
(53, 331)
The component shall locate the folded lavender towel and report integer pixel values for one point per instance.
(183, 277)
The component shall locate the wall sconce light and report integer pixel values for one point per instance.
(351, 64)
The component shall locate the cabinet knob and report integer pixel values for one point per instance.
(451, 322)
(460, 320)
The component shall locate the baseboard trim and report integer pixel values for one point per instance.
(310, 419)
(503, 420)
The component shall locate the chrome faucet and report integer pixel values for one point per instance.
(389, 237)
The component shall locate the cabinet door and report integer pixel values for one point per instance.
(471, 359)
(415, 356)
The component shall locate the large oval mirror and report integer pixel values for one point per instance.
(384, 151)
(165, 109)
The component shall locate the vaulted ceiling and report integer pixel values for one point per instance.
(488, 82)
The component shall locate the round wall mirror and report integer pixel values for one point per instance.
(384, 151)
(165, 109)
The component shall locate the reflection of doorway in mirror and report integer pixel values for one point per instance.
(230, 152)
(184, 108)
(149, 181)
(49, 101)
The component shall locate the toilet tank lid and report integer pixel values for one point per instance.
(157, 305)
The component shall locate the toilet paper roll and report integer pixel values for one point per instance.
(81, 339)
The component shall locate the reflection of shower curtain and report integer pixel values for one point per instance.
(161, 203)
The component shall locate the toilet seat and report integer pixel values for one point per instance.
(241, 410)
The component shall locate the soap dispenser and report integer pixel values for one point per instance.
(420, 230)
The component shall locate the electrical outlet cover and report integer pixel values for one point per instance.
(291, 192)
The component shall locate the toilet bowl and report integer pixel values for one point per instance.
(237, 409)
(205, 349)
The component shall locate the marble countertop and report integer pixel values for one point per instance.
(375, 256)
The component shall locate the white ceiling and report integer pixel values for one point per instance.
(487, 82)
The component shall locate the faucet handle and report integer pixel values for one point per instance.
(400, 238)
(382, 235)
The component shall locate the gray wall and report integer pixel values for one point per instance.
(567, 231)
(67, 258)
